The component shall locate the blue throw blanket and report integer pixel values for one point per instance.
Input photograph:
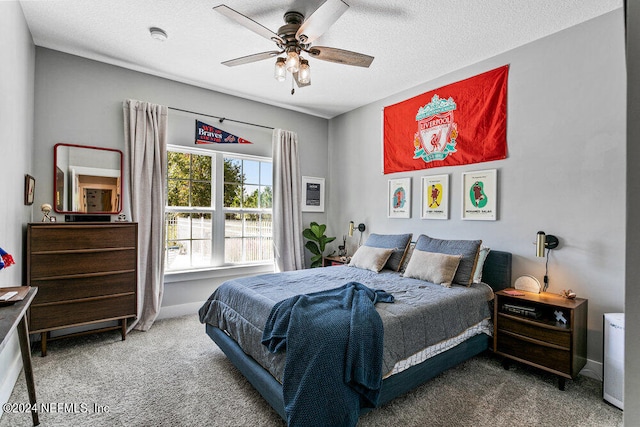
(334, 344)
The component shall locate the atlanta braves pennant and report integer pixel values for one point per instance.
(457, 124)
(207, 134)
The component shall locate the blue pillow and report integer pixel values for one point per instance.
(399, 242)
(467, 248)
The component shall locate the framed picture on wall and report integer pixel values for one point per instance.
(399, 205)
(435, 197)
(29, 189)
(312, 194)
(480, 195)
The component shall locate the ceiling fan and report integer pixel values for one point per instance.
(296, 36)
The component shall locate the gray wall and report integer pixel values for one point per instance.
(17, 56)
(632, 316)
(79, 101)
(564, 173)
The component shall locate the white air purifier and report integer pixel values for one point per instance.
(613, 370)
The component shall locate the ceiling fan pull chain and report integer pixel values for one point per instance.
(293, 89)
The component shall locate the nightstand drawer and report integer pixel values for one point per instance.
(539, 353)
(535, 330)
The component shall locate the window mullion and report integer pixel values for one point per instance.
(219, 216)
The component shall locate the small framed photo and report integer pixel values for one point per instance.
(399, 205)
(312, 194)
(435, 197)
(480, 195)
(29, 189)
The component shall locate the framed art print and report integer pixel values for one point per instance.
(435, 197)
(29, 189)
(399, 204)
(312, 194)
(480, 195)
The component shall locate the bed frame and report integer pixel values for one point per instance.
(496, 273)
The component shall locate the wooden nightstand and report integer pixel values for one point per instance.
(527, 329)
(334, 260)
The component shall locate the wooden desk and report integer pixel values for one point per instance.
(10, 317)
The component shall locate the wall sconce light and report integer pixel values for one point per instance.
(360, 228)
(352, 227)
(548, 242)
(545, 241)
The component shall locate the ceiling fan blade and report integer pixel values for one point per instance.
(321, 20)
(340, 56)
(248, 23)
(251, 58)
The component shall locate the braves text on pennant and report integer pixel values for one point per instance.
(458, 124)
(207, 134)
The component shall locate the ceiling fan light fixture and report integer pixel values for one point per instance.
(293, 61)
(295, 36)
(304, 72)
(158, 33)
(280, 71)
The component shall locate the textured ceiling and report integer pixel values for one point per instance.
(413, 41)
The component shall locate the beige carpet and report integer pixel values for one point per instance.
(174, 375)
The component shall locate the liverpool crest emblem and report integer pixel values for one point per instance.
(437, 130)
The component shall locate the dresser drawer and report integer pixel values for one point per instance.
(536, 331)
(84, 287)
(66, 264)
(538, 353)
(62, 237)
(78, 312)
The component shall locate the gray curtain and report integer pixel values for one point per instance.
(145, 135)
(287, 198)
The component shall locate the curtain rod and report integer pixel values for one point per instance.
(222, 119)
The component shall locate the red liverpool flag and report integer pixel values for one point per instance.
(457, 124)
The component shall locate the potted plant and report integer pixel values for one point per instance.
(316, 242)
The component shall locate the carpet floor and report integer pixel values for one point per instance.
(174, 375)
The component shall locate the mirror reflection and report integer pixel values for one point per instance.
(88, 179)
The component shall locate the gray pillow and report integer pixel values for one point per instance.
(467, 248)
(398, 242)
(433, 267)
(370, 258)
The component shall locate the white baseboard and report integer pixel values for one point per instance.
(11, 358)
(593, 370)
(179, 310)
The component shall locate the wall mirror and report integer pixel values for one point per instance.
(87, 179)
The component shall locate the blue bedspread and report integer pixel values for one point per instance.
(334, 349)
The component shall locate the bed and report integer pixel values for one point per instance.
(235, 315)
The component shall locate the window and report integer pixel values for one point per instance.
(219, 209)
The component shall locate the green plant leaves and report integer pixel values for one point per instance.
(316, 242)
(308, 234)
(313, 248)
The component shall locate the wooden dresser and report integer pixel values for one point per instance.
(86, 273)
